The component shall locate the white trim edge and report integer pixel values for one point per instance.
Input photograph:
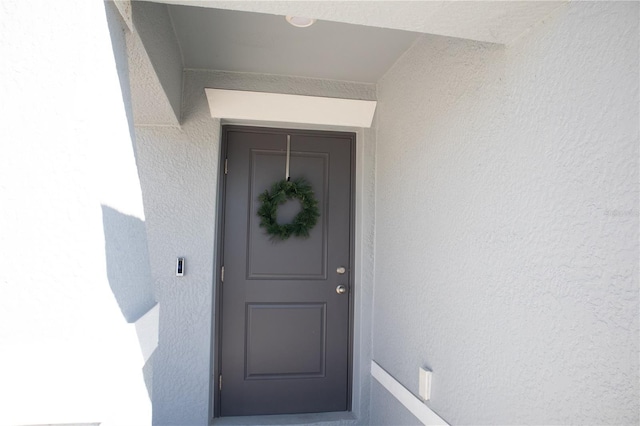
(422, 412)
(278, 107)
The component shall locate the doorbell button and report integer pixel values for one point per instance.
(180, 267)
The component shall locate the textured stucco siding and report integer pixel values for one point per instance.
(389, 411)
(178, 171)
(155, 31)
(507, 222)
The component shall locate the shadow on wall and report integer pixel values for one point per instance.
(126, 249)
(128, 268)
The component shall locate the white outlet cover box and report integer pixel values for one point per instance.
(424, 389)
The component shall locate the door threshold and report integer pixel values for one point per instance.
(338, 418)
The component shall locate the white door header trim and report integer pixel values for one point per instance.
(278, 107)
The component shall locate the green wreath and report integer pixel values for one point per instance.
(280, 192)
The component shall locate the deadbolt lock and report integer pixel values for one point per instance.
(341, 270)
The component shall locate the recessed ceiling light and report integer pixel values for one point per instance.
(299, 21)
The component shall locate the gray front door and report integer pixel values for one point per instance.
(285, 329)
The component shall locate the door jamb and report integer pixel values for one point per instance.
(214, 401)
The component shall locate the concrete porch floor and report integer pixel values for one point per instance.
(322, 419)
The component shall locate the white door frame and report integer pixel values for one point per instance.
(290, 111)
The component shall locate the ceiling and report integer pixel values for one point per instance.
(353, 40)
(238, 41)
(489, 21)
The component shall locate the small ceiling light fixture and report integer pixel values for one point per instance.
(299, 21)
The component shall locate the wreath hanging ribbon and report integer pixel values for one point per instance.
(280, 193)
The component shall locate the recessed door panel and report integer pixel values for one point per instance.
(270, 258)
(285, 340)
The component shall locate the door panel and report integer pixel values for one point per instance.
(284, 328)
(299, 327)
(269, 260)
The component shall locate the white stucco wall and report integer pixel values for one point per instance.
(179, 170)
(507, 222)
(154, 28)
(70, 200)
